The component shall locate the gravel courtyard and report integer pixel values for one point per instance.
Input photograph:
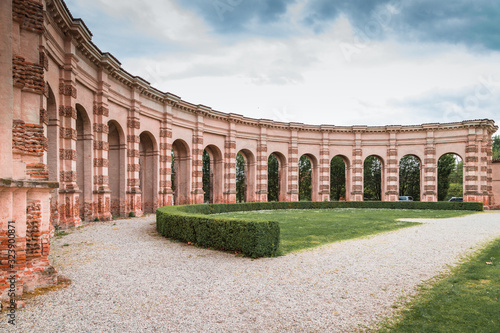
(126, 278)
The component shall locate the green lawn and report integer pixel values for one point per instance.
(466, 301)
(307, 228)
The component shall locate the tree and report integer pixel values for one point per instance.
(337, 178)
(304, 178)
(173, 179)
(240, 178)
(409, 177)
(446, 165)
(273, 178)
(207, 188)
(496, 147)
(372, 178)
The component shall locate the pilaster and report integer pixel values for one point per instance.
(262, 156)
(101, 190)
(392, 168)
(134, 199)
(165, 197)
(428, 187)
(324, 169)
(197, 194)
(357, 165)
(293, 166)
(230, 164)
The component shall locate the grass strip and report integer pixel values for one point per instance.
(308, 228)
(465, 301)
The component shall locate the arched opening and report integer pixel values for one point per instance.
(53, 153)
(213, 175)
(450, 177)
(241, 179)
(305, 179)
(276, 177)
(147, 175)
(84, 162)
(52, 137)
(245, 176)
(116, 170)
(181, 178)
(338, 166)
(373, 178)
(409, 177)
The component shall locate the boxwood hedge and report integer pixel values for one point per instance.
(259, 238)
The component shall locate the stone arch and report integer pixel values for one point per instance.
(373, 178)
(340, 178)
(450, 176)
(181, 172)
(215, 174)
(410, 177)
(281, 183)
(84, 162)
(148, 176)
(249, 170)
(117, 156)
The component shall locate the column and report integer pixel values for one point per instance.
(428, 188)
(197, 194)
(101, 190)
(134, 200)
(293, 165)
(230, 164)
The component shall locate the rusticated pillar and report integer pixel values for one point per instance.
(477, 186)
(324, 169)
(293, 166)
(357, 166)
(428, 188)
(197, 194)
(101, 190)
(230, 165)
(262, 156)
(165, 197)
(69, 193)
(134, 199)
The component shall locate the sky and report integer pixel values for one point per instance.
(341, 63)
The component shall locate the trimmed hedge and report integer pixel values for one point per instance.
(260, 238)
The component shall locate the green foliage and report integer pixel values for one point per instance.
(409, 177)
(337, 178)
(207, 188)
(304, 178)
(253, 238)
(240, 178)
(273, 178)
(496, 147)
(465, 301)
(173, 177)
(372, 179)
(450, 171)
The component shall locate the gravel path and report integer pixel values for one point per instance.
(126, 278)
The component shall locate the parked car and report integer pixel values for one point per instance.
(460, 199)
(405, 198)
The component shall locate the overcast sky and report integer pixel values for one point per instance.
(352, 62)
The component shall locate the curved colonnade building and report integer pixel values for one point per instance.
(90, 140)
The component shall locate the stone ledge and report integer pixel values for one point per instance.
(27, 184)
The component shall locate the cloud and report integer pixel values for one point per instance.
(473, 23)
(238, 16)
